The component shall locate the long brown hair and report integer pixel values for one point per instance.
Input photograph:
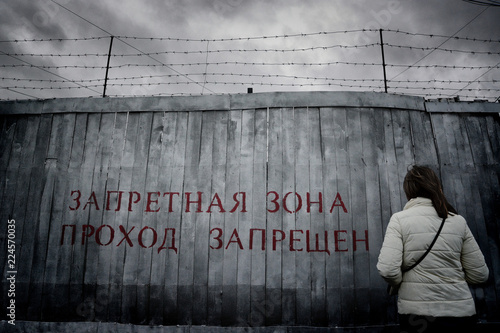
(421, 181)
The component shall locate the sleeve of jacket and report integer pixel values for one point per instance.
(391, 254)
(473, 261)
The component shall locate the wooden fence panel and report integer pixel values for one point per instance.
(271, 212)
(289, 275)
(276, 294)
(231, 221)
(176, 127)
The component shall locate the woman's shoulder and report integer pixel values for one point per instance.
(456, 221)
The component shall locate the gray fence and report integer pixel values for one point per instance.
(233, 210)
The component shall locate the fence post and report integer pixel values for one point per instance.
(107, 67)
(383, 59)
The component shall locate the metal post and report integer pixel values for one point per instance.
(107, 67)
(383, 60)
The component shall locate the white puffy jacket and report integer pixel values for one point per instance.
(438, 286)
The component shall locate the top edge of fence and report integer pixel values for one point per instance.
(242, 102)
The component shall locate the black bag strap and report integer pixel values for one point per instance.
(428, 249)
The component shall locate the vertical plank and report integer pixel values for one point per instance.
(7, 130)
(151, 265)
(445, 159)
(491, 122)
(174, 158)
(465, 161)
(450, 170)
(289, 274)
(389, 189)
(216, 256)
(109, 276)
(78, 298)
(136, 301)
(40, 260)
(13, 133)
(123, 288)
(69, 240)
(372, 127)
(152, 235)
(490, 194)
(392, 175)
(188, 226)
(40, 242)
(345, 224)
(158, 180)
(202, 231)
(274, 293)
(398, 156)
(160, 169)
(318, 228)
(98, 180)
(19, 130)
(468, 204)
(17, 193)
(33, 167)
(60, 153)
(303, 219)
(486, 194)
(244, 261)
(231, 222)
(474, 137)
(423, 139)
(487, 148)
(332, 269)
(402, 145)
(358, 215)
(262, 307)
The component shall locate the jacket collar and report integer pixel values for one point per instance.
(419, 201)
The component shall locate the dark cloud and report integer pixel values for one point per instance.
(36, 18)
(450, 16)
(214, 19)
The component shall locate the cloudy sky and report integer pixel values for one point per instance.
(433, 48)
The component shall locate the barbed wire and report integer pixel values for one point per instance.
(314, 48)
(242, 63)
(264, 37)
(250, 75)
(80, 67)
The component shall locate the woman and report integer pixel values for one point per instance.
(434, 295)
